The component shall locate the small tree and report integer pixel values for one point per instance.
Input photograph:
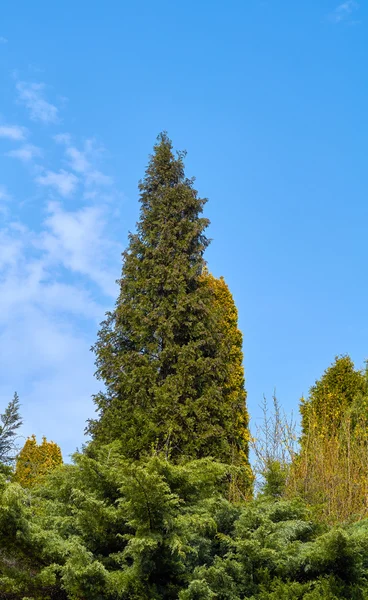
(330, 397)
(10, 422)
(36, 460)
(275, 447)
(330, 470)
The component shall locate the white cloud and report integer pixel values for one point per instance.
(97, 178)
(47, 358)
(344, 11)
(68, 390)
(57, 279)
(3, 40)
(46, 354)
(26, 153)
(81, 161)
(3, 194)
(64, 182)
(32, 96)
(77, 160)
(62, 138)
(32, 288)
(13, 132)
(29, 276)
(78, 241)
(4, 198)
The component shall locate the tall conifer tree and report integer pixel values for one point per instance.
(161, 352)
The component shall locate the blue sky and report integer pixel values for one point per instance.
(270, 100)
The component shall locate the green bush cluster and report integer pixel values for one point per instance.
(108, 528)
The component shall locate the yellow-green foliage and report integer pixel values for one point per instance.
(331, 472)
(331, 397)
(36, 460)
(233, 389)
(331, 469)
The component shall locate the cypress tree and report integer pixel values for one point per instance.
(36, 460)
(161, 352)
(331, 468)
(330, 397)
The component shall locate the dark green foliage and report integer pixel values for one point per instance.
(160, 353)
(115, 529)
(276, 552)
(112, 529)
(10, 423)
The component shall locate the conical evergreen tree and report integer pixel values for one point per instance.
(36, 460)
(330, 470)
(161, 352)
(330, 397)
(10, 421)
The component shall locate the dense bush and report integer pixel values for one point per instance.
(107, 528)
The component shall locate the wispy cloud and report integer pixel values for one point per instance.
(13, 132)
(3, 40)
(95, 177)
(67, 240)
(62, 138)
(32, 95)
(57, 275)
(344, 11)
(43, 317)
(42, 330)
(4, 196)
(63, 182)
(77, 160)
(82, 161)
(26, 153)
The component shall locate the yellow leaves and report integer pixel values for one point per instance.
(36, 460)
(234, 394)
(331, 472)
(331, 397)
(331, 469)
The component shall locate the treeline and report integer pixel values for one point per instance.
(162, 502)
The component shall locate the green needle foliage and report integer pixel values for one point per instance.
(10, 421)
(161, 352)
(106, 528)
